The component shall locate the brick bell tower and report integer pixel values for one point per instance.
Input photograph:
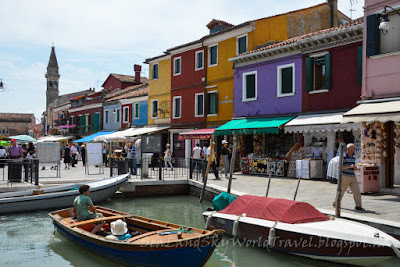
(52, 77)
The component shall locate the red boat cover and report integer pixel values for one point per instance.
(274, 209)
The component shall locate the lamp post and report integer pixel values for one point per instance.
(385, 22)
(2, 85)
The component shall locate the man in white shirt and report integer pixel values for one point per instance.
(74, 152)
(197, 154)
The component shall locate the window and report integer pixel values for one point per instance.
(154, 109)
(87, 119)
(126, 115)
(199, 105)
(177, 107)
(177, 66)
(382, 41)
(212, 103)
(241, 44)
(318, 73)
(249, 86)
(118, 115)
(199, 60)
(72, 120)
(213, 55)
(106, 116)
(154, 71)
(136, 110)
(285, 80)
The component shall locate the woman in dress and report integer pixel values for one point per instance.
(67, 156)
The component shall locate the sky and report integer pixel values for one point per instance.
(94, 38)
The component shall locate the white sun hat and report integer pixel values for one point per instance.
(119, 227)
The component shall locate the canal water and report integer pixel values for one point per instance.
(28, 239)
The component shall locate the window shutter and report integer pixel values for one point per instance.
(359, 64)
(328, 71)
(309, 74)
(216, 102)
(373, 35)
(207, 103)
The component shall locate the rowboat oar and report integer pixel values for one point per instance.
(208, 170)
(101, 220)
(339, 184)
(297, 188)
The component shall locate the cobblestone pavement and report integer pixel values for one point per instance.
(320, 194)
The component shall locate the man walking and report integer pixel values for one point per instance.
(212, 157)
(15, 151)
(196, 157)
(74, 152)
(348, 177)
(225, 151)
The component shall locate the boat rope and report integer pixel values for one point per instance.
(236, 225)
(186, 230)
(271, 236)
(209, 220)
(396, 251)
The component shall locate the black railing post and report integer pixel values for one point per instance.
(203, 169)
(160, 169)
(111, 162)
(26, 169)
(191, 168)
(36, 164)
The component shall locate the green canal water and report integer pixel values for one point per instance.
(29, 240)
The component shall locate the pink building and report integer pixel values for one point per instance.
(379, 108)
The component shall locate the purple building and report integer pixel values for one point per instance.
(272, 87)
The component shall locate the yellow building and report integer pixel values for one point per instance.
(227, 41)
(159, 103)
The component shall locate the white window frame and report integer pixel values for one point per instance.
(87, 119)
(196, 104)
(180, 67)
(237, 43)
(244, 99)
(279, 80)
(152, 111)
(174, 107)
(73, 119)
(215, 114)
(125, 120)
(117, 110)
(152, 71)
(136, 116)
(195, 60)
(209, 55)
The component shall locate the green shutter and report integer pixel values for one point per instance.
(328, 71)
(359, 64)
(373, 35)
(309, 74)
(287, 80)
(250, 86)
(216, 102)
(207, 103)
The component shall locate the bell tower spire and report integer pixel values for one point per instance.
(52, 77)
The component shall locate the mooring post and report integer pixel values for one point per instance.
(269, 182)
(208, 170)
(232, 164)
(339, 183)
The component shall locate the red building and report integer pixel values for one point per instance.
(187, 92)
(120, 81)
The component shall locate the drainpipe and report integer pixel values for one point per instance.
(205, 80)
(333, 13)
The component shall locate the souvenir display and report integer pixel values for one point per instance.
(296, 155)
(374, 142)
(245, 165)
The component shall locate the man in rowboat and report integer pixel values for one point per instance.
(84, 208)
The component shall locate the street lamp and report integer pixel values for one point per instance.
(385, 22)
(2, 85)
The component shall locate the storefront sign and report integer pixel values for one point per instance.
(195, 136)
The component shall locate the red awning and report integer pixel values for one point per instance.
(275, 209)
(202, 134)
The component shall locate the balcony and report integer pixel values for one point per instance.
(84, 129)
(60, 122)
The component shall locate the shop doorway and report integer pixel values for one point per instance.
(388, 147)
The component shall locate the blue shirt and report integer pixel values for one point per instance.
(348, 161)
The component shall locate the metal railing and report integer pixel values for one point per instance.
(20, 170)
(158, 168)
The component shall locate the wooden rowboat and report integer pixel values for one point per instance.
(155, 243)
(59, 196)
(300, 229)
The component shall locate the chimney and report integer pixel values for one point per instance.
(137, 69)
(334, 13)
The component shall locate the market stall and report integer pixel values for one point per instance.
(261, 144)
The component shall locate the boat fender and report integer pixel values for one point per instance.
(209, 220)
(236, 225)
(396, 251)
(271, 236)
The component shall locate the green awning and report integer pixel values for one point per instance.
(251, 126)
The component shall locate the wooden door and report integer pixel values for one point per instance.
(389, 160)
